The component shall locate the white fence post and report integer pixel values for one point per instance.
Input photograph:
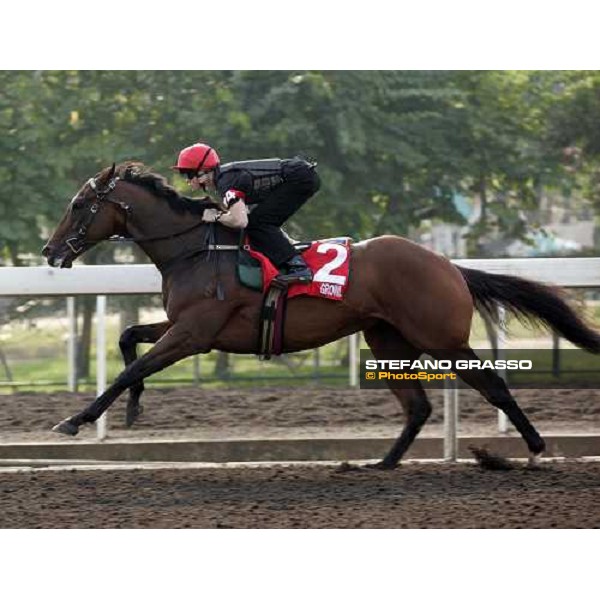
(502, 418)
(353, 359)
(101, 424)
(197, 369)
(450, 420)
(72, 344)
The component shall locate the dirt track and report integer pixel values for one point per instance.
(434, 496)
(565, 495)
(277, 412)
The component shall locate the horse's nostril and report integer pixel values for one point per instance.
(45, 250)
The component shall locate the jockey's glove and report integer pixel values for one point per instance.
(210, 215)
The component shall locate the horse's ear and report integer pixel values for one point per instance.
(112, 171)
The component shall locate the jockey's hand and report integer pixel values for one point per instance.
(210, 215)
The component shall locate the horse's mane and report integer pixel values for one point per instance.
(139, 174)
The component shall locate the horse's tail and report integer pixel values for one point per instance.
(529, 301)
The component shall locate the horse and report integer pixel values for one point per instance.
(405, 298)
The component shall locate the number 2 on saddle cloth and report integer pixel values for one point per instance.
(329, 261)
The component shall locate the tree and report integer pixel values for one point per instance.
(393, 147)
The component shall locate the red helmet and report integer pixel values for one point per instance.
(198, 157)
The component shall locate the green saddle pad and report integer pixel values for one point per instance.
(249, 271)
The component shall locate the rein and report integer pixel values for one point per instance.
(77, 243)
(127, 238)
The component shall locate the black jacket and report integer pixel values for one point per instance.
(256, 179)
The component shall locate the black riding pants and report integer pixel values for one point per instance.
(264, 222)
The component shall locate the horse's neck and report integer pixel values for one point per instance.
(182, 234)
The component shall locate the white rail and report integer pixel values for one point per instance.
(146, 279)
(85, 279)
(566, 272)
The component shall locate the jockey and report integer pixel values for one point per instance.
(259, 195)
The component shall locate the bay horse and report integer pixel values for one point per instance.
(405, 298)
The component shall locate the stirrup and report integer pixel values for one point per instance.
(305, 276)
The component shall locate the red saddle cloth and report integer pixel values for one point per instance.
(329, 260)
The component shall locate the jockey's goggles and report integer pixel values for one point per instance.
(190, 174)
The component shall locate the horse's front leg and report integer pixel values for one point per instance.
(130, 338)
(187, 336)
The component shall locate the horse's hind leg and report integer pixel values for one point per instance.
(496, 392)
(384, 342)
(130, 338)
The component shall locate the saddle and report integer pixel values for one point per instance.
(250, 268)
(329, 260)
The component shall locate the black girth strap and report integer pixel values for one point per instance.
(210, 242)
(272, 319)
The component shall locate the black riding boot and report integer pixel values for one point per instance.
(297, 271)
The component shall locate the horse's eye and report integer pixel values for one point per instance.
(78, 204)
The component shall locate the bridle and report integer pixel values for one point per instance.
(77, 242)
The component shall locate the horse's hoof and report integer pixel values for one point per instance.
(133, 412)
(535, 461)
(66, 427)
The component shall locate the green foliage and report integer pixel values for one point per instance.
(394, 147)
